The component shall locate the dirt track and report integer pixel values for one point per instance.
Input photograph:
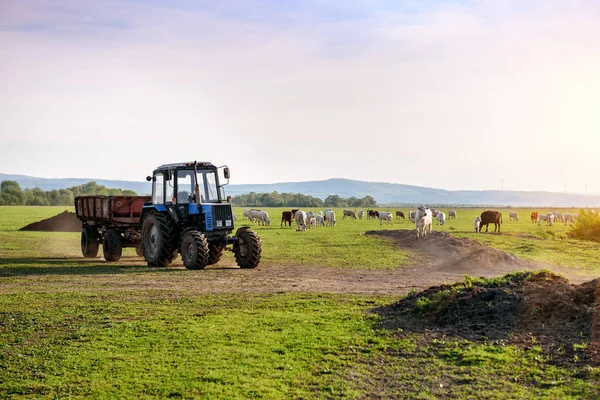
(437, 259)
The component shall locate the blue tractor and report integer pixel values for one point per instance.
(189, 215)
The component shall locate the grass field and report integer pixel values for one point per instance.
(150, 340)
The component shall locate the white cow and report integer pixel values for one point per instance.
(330, 218)
(549, 218)
(361, 213)
(423, 221)
(300, 218)
(451, 214)
(246, 214)
(385, 216)
(569, 218)
(312, 223)
(263, 218)
(412, 215)
(441, 218)
(476, 224)
(513, 215)
(558, 217)
(320, 220)
(254, 215)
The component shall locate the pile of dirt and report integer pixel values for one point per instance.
(540, 308)
(63, 222)
(449, 254)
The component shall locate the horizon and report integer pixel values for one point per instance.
(456, 95)
(325, 180)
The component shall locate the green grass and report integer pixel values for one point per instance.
(153, 344)
(90, 340)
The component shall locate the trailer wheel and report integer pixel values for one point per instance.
(194, 249)
(112, 245)
(215, 252)
(157, 235)
(89, 242)
(248, 248)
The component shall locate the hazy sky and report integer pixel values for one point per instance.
(447, 94)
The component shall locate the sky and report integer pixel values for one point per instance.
(474, 95)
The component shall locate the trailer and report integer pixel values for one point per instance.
(114, 221)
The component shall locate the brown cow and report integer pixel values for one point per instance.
(534, 217)
(490, 217)
(286, 217)
(400, 214)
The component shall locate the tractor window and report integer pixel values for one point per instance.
(158, 189)
(170, 188)
(208, 186)
(185, 186)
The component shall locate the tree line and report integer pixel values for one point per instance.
(276, 199)
(11, 194)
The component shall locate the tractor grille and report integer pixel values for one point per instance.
(222, 217)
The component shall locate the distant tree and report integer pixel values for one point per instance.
(11, 193)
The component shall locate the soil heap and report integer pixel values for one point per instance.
(514, 308)
(63, 222)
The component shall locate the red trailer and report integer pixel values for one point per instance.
(112, 220)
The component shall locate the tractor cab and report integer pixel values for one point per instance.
(185, 183)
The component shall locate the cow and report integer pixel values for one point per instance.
(312, 223)
(513, 215)
(569, 218)
(349, 213)
(551, 219)
(286, 217)
(262, 217)
(387, 217)
(534, 217)
(491, 217)
(440, 218)
(412, 215)
(400, 214)
(330, 218)
(300, 218)
(542, 217)
(361, 213)
(476, 224)
(451, 214)
(246, 214)
(558, 217)
(372, 214)
(255, 215)
(434, 212)
(320, 220)
(423, 220)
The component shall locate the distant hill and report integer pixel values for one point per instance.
(141, 188)
(384, 193)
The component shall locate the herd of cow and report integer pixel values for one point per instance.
(422, 217)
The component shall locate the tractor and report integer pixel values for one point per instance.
(189, 214)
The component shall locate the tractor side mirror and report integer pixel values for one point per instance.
(148, 178)
(226, 173)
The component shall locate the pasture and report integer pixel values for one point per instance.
(301, 325)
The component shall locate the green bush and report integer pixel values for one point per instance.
(587, 226)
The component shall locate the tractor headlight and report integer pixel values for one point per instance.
(219, 224)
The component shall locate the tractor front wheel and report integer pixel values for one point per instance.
(112, 245)
(89, 242)
(247, 248)
(194, 249)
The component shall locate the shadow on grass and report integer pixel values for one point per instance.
(74, 266)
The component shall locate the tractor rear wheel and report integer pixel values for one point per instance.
(194, 249)
(89, 242)
(157, 236)
(112, 245)
(215, 252)
(247, 248)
